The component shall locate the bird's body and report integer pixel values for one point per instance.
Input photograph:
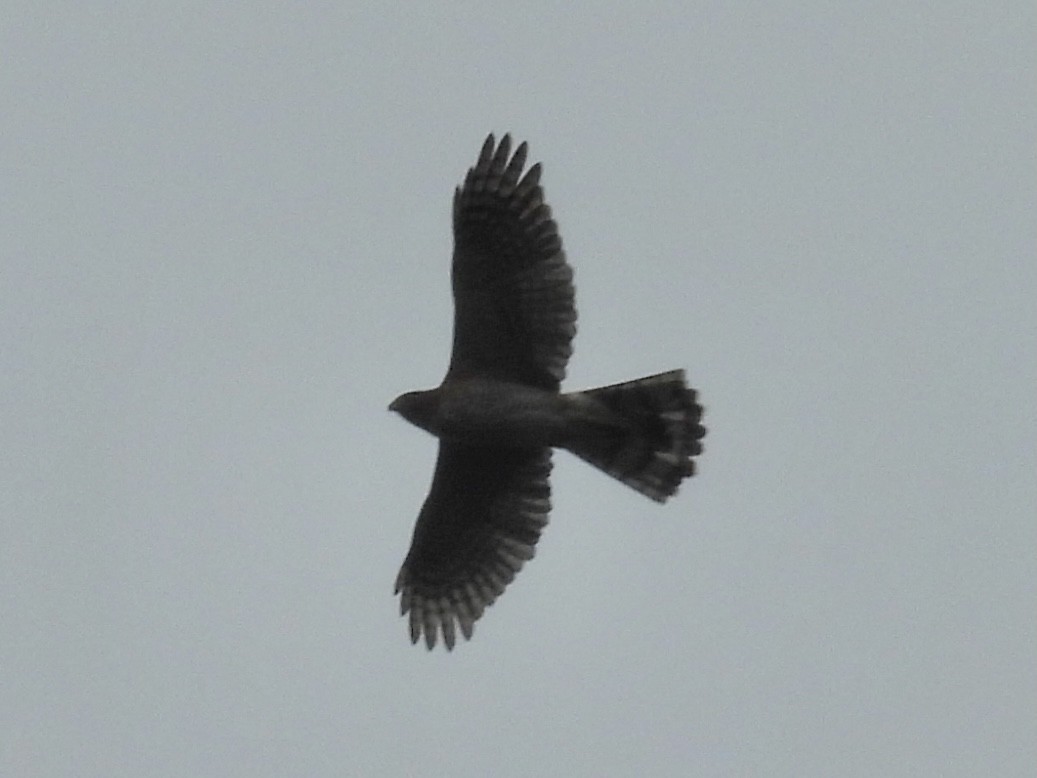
(490, 412)
(500, 410)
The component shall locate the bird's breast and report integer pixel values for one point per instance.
(486, 412)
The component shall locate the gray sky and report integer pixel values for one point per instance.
(225, 242)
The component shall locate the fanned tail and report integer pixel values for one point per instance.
(655, 433)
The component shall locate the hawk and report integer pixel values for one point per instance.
(499, 411)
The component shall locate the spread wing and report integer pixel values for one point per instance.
(478, 526)
(514, 317)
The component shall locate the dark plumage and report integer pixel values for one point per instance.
(499, 411)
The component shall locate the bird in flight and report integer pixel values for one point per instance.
(499, 411)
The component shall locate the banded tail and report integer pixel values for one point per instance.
(655, 433)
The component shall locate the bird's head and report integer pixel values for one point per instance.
(419, 408)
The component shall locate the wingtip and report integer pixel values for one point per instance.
(487, 149)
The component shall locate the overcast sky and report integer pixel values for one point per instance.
(224, 248)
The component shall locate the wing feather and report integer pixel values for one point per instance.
(514, 316)
(479, 525)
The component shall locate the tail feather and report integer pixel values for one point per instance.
(656, 431)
